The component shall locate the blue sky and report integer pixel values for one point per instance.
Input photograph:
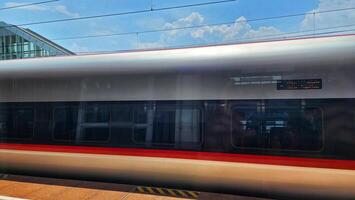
(237, 11)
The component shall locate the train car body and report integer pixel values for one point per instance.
(275, 118)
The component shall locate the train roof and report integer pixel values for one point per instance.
(306, 53)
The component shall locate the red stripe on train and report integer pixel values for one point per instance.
(227, 157)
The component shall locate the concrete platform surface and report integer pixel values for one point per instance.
(16, 187)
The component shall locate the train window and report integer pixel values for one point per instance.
(23, 122)
(170, 125)
(155, 124)
(246, 128)
(16, 123)
(94, 134)
(65, 123)
(94, 126)
(125, 119)
(43, 112)
(96, 113)
(188, 126)
(277, 128)
(140, 115)
(164, 127)
(140, 135)
(121, 135)
(122, 113)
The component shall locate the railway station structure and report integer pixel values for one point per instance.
(17, 43)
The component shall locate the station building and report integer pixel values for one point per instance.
(17, 42)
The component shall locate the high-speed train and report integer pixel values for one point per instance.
(272, 117)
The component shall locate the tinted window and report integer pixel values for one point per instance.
(122, 113)
(65, 123)
(16, 123)
(140, 135)
(169, 125)
(164, 127)
(96, 113)
(125, 118)
(277, 128)
(95, 134)
(94, 124)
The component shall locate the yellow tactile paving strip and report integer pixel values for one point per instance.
(168, 192)
(37, 188)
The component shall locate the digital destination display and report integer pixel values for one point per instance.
(299, 84)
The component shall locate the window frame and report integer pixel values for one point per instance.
(175, 144)
(81, 126)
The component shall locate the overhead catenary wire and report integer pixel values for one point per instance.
(200, 26)
(151, 9)
(20, 5)
(255, 39)
(271, 38)
(265, 36)
(141, 32)
(195, 26)
(177, 28)
(228, 42)
(294, 34)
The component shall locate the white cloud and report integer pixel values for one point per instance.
(31, 7)
(240, 29)
(191, 20)
(194, 19)
(64, 10)
(330, 19)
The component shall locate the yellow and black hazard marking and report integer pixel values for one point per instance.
(168, 192)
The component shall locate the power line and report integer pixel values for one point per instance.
(192, 5)
(295, 34)
(250, 39)
(253, 39)
(166, 8)
(26, 5)
(298, 14)
(178, 28)
(141, 32)
(200, 26)
(278, 34)
(122, 13)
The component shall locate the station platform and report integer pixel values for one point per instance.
(16, 187)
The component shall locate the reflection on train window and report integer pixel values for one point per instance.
(16, 123)
(164, 127)
(95, 113)
(123, 122)
(65, 123)
(170, 125)
(94, 126)
(140, 115)
(122, 113)
(277, 128)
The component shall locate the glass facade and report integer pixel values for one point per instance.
(17, 43)
(15, 47)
